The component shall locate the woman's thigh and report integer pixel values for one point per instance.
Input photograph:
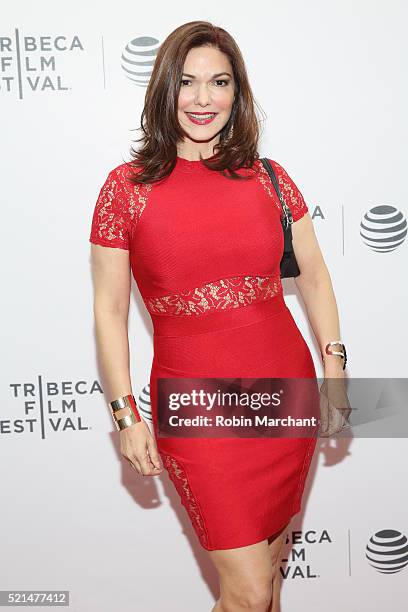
(249, 568)
(244, 572)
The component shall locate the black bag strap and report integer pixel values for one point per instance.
(286, 216)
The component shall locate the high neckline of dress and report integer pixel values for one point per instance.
(191, 163)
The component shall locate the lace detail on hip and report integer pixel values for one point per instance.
(222, 294)
(179, 477)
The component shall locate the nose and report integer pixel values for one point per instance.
(203, 95)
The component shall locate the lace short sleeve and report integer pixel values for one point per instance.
(111, 221)
(291, 194)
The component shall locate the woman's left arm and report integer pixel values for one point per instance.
(315, 286)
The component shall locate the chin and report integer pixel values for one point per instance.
(201, 134)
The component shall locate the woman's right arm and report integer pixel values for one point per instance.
(112, 284)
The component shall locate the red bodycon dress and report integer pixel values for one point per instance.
(205, 252)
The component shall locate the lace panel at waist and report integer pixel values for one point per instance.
(222, 294)
(216, 319)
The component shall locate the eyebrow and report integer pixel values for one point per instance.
(213, 76)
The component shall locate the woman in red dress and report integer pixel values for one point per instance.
(196, 220)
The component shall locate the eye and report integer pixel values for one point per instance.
(226, 81)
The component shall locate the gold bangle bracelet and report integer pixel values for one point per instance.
(133, 416)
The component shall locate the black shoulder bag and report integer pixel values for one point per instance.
(288, 264)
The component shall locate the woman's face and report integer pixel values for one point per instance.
(207, 87)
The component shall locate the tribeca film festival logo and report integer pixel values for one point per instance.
(296, 564)
(383, 228)
(50, 407)
(30, 63)
(46, 407)
(386, 552)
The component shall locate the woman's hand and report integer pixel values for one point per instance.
(335, 408)
(138, 446)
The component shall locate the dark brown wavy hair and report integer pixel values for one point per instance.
(237, 147)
